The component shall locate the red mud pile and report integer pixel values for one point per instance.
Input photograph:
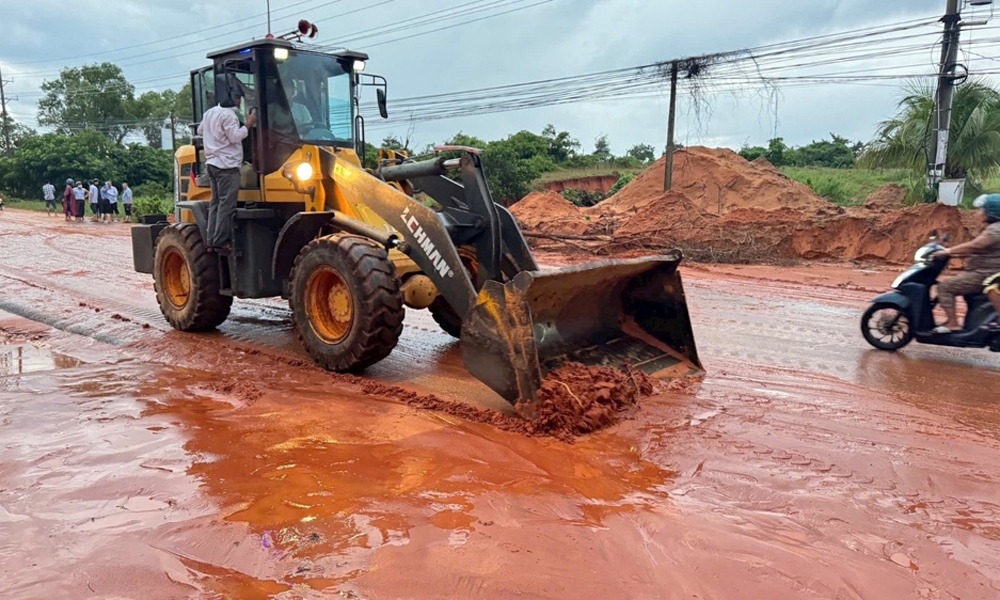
(574, 400)
(723, 208)
(549, 212)
(717, 181)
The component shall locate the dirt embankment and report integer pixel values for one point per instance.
(599, 183)
(727, 209)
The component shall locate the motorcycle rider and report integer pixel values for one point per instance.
(982, 261)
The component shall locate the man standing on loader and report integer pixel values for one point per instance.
(222, 137)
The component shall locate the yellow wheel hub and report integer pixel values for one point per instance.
(176, 278)
(329, 304)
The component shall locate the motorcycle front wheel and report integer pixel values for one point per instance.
(886, 327)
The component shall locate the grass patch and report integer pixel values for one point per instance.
(850, 187)
(36, 205)
(596, 171)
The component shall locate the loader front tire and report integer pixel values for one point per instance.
(446, 317)
(347, 309)
(186, 279)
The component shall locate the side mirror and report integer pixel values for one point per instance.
(383, 108)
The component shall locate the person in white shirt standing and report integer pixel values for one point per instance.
(49, 193)
(222, 136)
(127, 201)
(95, 200)
(110, 193)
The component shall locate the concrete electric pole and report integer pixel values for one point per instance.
(668, 174)
(4, 119)
(945, 94)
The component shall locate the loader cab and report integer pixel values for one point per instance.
(301, 97)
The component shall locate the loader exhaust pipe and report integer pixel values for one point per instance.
(608, 314)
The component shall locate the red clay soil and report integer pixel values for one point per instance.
(598, 183)
(549, 212)
(574, 400)
(717, 181)
(888, 197)
(724, 208)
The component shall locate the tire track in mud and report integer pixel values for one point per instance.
(776, 447)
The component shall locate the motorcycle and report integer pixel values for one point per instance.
(896, 318)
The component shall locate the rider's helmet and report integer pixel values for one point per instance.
(69, 182)
(990, 203)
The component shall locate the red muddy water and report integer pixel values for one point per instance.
(138, 462)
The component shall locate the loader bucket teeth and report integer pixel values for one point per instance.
(603, 314)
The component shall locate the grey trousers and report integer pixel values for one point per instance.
(222, 210)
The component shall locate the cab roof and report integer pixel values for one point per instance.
(280, 43)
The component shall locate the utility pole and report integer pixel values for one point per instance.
(4, 119)
(945, 94)
(173, 132)
(668, 174)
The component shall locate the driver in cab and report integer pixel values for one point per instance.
(982, 266)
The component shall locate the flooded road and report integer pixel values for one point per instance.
(140, 462)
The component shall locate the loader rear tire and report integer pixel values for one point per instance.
(347, 309)
(186, 279)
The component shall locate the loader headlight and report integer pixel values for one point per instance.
(304, 172)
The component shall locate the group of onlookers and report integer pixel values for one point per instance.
(103, 202)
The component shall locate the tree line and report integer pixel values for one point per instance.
(514, 162)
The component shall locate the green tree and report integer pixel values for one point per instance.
(562, 146)
(778, 153)
(93, 96)
(462, 139)
(84, 155)
(752, 152)
(508, 175)
(642, 152)
(151, 113)
(139, 164)
(602, 148)
(183, 113)
(974, 144)
(837, 153)
(15, 131)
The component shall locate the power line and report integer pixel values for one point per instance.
(172, 39)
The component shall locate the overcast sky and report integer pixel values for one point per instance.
(553, 39)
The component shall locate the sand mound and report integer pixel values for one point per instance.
(887, 197)
(671, 214)
(717, 181)
(723, 208)
(549, 212)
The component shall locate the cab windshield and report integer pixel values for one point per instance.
(313, 101)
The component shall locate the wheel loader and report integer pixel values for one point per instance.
(350, 248)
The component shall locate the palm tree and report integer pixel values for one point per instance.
(974, 143)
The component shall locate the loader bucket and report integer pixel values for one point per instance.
(602, 314)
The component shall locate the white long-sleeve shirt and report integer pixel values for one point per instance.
(222, 134)
(111, 193)
(49, 191)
